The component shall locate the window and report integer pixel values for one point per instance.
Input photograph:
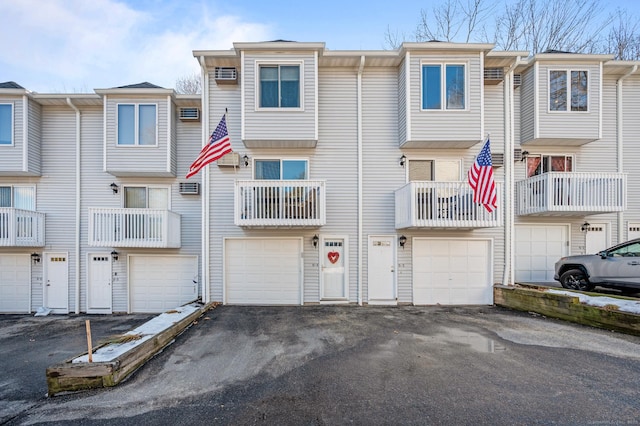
(538, 164)
(443, 90)
(19, 197)
(436, 200)
(561, 83)
(137, 124)
(142, 197)
(281, 169)
(436, 170)
(279, 86)
(145, 225)
(6, 124)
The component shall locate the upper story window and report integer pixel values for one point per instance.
(137, 124)
(565, 83)
(443, 87)
(281, 169)
(538, 164)
(6, 124)
(279, 86)
(441, 170)
(142, 197)
(18, 197)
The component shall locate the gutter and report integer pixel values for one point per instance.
(78, 186)
(620, 140)
(359, 125)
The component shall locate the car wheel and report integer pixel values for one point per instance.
(576, 279)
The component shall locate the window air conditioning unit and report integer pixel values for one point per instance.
(189, 188)
(225, 75)
(517, 154)
(517, 80)
(190, 114)
(231, 159)
(493, 75)
(497, 159)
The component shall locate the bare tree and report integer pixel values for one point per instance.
(623, 39)
(189, 85)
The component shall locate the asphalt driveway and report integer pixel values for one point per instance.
(360, 365)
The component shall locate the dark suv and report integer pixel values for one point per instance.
(616, 267)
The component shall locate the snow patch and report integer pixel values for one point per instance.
(632, 306)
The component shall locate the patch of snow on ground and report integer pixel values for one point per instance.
(632, 306)
(147, 330)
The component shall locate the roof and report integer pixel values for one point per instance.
(10, 85)
(143, 85)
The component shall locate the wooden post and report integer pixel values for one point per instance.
(90, 349)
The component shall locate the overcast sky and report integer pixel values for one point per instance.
(76, 46)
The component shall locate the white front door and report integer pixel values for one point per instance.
(56, 291)
(99, 284)
(381, 271)
(333, 264)
(596, 238)
(633, 231)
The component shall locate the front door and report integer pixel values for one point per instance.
(596, 238)
(333, 263)
(56, 293)
(381, 271)
(99, 284)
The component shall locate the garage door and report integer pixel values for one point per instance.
(537, 249)
(263, 271)
(15, 282)
(452, 272)
(159, 283)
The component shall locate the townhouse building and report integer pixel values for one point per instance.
(347, 183)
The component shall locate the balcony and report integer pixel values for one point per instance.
(572, 194)
(149, 228)
(443, 205)
(21, 228)
(280, 203)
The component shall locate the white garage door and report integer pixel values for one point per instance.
(15, 282)
(263, 271)
(160, 283)
(537, 249)
(452, 272)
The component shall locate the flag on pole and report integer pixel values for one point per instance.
(219, 145)
(481, 179)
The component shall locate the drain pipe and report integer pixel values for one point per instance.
(206, 297)
(620, 140)
(78, 186)
(360, 239)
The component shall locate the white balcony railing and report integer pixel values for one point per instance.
(280, 203)
(571, 193)
(21, 228)
(428, 204)
(152, 228)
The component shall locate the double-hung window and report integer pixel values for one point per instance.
(6, 124)
(279, 86)
(443, 86)
(568, 90)
(137, 124)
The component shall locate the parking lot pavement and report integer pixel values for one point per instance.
(368, 365)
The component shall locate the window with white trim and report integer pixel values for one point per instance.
(6, 124)
(443, 87)
(439, 170)
(280, 169)
(19, 197)
(538, 164)
(568, 90)
(279, 86)
(143, 197)
(137, 125)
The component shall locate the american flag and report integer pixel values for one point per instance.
(219, 145)
(481, 179)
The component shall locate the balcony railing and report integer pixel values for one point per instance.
(21, 228)
(428, 204)
(280, 203)
(152, 228)
(571, 193)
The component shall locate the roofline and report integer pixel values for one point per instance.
(570, 57)
(135, 91)
(445, 45)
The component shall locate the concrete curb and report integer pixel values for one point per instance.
(565, 307)
(70, 377)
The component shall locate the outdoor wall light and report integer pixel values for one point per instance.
(403, 160)
(585, 227)
(114, 255)
(246, 160)
(114, 187)
(315, 240)
(402, 241)
(35, 257)
(524, 155)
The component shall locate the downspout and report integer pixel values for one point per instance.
(206, 298)
(359, 124)
(509, 176)
(78, 186)
(620, 140)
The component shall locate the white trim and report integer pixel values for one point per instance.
(407, 90)
(104, 133)
(601, 95)
(568, 72)
(242, 95)
(482, 112)
(136, 124)
(315, 94)
(443, 88)
(77, 197)
(277, 62)
(536, 100)
(169, 130)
